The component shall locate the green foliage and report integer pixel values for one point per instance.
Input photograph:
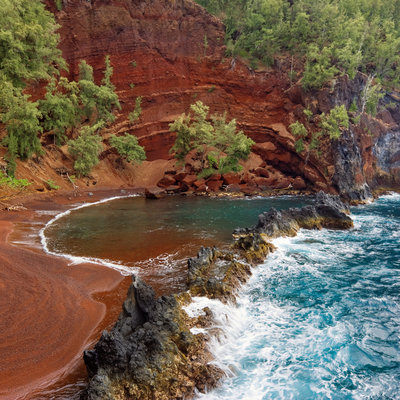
(52, 185)
(332, 37)
(28, 43)
(300, 131)
(332, 123)
(22, 124)
(58, 4)
(97, 101)
(218, 142)
(308, 113)
(86, 149)
(28, 53)
(299, 145)
(108, 72)
(128, 147)
(137, 111)
(353, 107)
(60, 108)
(13, 182)
(314, 144)
(372, 96)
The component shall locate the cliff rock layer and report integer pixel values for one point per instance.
(172, 54)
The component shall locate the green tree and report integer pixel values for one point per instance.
(128, 147)
(28, 42)
(332, 124)
(97, 102)
(135, 114)
(23, 129)
(217, 142)
(300, 132)
(86, 149)
(60, 108)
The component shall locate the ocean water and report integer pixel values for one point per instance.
(153, 238)
(320, 319)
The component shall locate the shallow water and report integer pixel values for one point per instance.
(154, 238)
(320, 319)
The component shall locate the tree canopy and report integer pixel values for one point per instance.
(220, 145)
(332, 37)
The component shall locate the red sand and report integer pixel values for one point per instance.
(49, 312)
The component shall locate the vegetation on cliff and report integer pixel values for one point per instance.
(217, 141)
(28, 56)
(330, 37)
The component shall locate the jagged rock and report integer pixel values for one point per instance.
(149, 353)
(328, 211)
(154, 193)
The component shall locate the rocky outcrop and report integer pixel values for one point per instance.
(172, 53)
(152, 352)
(327, 212)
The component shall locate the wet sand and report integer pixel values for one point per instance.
(49, 311)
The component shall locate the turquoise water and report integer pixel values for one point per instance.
(320, 319)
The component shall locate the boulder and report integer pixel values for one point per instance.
(298, 183)
(189, 180)
(154, 193)
(214, 185)
(166, 180)
(231, 178)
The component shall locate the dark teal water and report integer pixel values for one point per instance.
(155, 238)
(320, 319)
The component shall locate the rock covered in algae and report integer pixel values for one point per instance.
(328, 211)
(150, 352)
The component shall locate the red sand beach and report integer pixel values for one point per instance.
(49, 311)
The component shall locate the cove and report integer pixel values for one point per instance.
(319, 319)
(155, 238)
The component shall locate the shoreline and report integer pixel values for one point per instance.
(50, 312)
(84, 288)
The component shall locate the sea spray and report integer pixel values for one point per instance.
(322, 316)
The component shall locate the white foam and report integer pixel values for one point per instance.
(75, 260)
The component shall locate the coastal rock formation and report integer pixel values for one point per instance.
(327, 212)
(172, 53)
(151, 352)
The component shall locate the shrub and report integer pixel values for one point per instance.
(128, 147)
(195, 131)
(86, 149)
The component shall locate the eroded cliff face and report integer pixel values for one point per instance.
(172, 54)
